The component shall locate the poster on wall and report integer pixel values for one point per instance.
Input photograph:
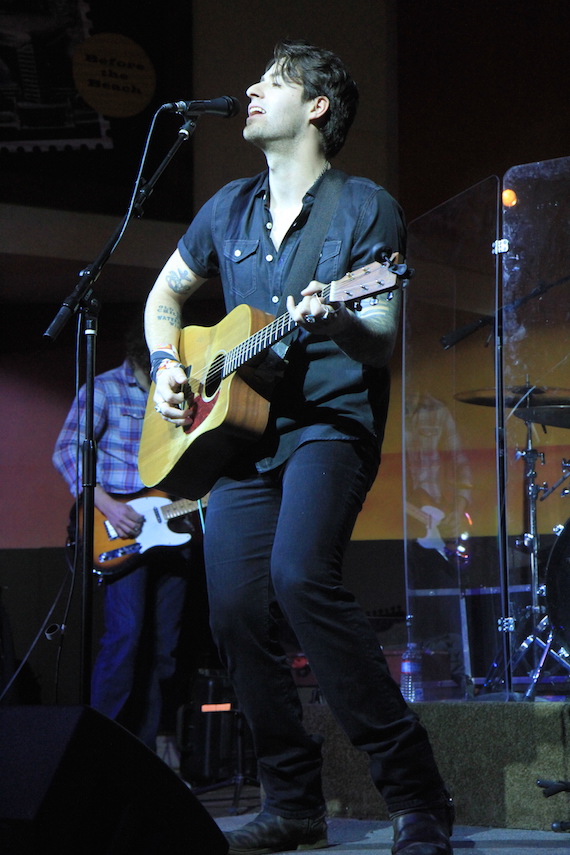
(40, 108)
(58, 83)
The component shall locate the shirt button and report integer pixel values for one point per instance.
(237, 253)
(268, 225)
(275, 299)
(269, 258)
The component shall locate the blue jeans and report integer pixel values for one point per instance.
(142, 615)
(274, 543)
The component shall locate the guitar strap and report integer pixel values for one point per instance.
(273, 365)
(310, 247)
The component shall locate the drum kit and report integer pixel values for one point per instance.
(548, 407)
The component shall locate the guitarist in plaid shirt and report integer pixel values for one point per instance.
(143, 608)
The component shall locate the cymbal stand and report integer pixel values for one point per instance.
(530, 541)
(546, 648)
(565, 475)
(531, 491)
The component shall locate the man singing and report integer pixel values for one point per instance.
(281, 516)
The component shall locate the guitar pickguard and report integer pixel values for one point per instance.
(202, 410)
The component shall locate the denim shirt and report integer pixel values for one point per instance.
(324, 394)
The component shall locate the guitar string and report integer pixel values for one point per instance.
(226, 363)
(264, 338)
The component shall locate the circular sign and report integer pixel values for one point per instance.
(113, 75)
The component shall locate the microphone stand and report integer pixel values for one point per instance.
(82, 300)
(455, 336)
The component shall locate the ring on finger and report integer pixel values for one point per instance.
(309, 319)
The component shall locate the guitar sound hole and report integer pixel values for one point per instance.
(214, 377)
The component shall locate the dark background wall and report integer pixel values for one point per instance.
(451, 93)
(483, 86)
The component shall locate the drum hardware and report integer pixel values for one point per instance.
(565, 474)
(558, 587)
(554, 620)
(560, 656)
(547, 406)
(506, 624)
(553, 415)
(528, 396)
(531, 492)
(530, 539)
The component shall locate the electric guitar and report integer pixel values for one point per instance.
(431, 518)
(113, 555)
(227, 409)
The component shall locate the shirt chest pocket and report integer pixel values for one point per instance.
(130, 425)
(241, 266)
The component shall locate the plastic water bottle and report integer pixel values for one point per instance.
(411, 673)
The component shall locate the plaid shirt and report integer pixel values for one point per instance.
(118, 412)
(436, 463)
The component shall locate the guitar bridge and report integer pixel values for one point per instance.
(131, 549)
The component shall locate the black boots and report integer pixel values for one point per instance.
(420, 832)
(424, 832)
(269, 833)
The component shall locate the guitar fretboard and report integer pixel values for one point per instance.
(261, 340)
(178, 509)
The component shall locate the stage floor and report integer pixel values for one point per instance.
(368, 837)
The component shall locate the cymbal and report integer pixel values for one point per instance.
(534, 396)
(555, 416)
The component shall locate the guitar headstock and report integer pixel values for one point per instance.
(374, 278)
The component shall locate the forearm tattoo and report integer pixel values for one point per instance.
(169, 314)
(178, 281)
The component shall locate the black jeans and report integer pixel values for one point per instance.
(275, 542)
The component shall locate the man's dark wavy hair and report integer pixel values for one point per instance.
(136, 350)
(321, 72)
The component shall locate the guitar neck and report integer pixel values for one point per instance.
(178, 509)
(263, 339)
(418, 514)
(374, 278)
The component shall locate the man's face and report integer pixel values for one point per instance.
(277, 113)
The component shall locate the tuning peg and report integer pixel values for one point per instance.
(402, 270)
(382, 252)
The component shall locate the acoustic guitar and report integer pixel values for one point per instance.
(227, 409)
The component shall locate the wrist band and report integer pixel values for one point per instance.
(162, 358)
(166, 351)
(162, 366)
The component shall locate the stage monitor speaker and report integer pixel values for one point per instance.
(73, 782)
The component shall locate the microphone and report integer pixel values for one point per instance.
(225, 106)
